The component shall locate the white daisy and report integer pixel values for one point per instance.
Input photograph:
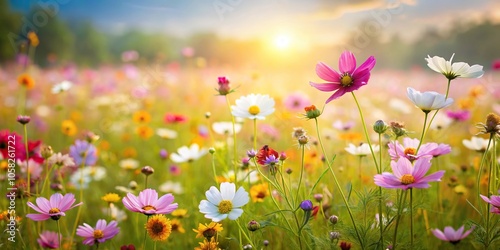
(166, 133)
(83, 176)
(129, 164)
(476, 143)
(452, 71)
(361, 150)
(185, 154)
(171, 187)
(428, 101)
(226, 128)
(253, 106)
(224, 204)
(61, 87)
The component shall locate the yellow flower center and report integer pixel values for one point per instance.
(410, 151)
(54, 211)
(254, 110)
(225, 206)
(149, 207)
(98, 234)
(407, 179)
(346, 80)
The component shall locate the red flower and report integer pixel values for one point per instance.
(264, 152)
(175, 118)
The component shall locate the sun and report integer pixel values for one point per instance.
(282, 41)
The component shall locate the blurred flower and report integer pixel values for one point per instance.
(224, 88)
(269, 131)
(159, 227)
(225, 203)
(348, 79)
(61, 87)
(49, 239)
(33, 39)
(208, 230)
(362, 150)
(409, 149)
(175, 118)
(130, 55)
(177, 226)
(449, 234)
(171, 187)
(452, 71)
(226, 128)
(83, 153)
(428, 101)
(26, 81)
(83, 176)
(144, 131)
(406, 176)
(264, 153)
(129, 164)
(344, 126)
(492, 125)
(127, 247)
(142, 116)
(102, 232)
(494, 200)
(23, 119)
(187, 52)
(166, 133)
(180, 213)
(174, 170)
(185, 154)
(148, 203)
(296, 101)
(441, 121)
(253, 106)
(459, 115)
(68, 127)
(111, 197)
(345, 245)
(259, 191)
(440, 149)
(476, 143)
(53, 208)
(34, 168)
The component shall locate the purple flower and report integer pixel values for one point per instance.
(409, 149)
(348, 79)
(271, 160)
(494, 200)
(441, 149)
(148, 203)
(49, 239)
(83, 151)
(406, 176)
(449, 234)
(100, 234)
(459, 115)
(53, 208)
(306, 205)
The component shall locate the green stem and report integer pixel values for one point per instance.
(400, 206)
(379, 171)
(244, 234)
(301, 173)
(338, 185)
(59, 237)
(255, 134)
(481, 166)
(423, 131)
(411, 218)
(27, 160)
(365, 130)
(146, 182)
(235, 155)
(215, 173)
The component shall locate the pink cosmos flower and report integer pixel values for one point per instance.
(406, 176)
(148, 203)
(53, 208)
(494, 200)
(348, 79)
(459, 115)
(296, 101)
(49, 239)
(449, 234)
(409, 149)
(100, 234)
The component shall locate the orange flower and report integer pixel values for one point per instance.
(26, 81)
(68, 128)
(259, 192)
(144, 131)
(351, 136)
(142, 116)
(33, 39)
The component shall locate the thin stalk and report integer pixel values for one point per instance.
(215, 173)
(338, 185)
(481, 166)
(27, 160)
(244, 234)
(379, 171)
(423, 130)
(365, 130)
(301, 172)
(255, 134)
(401, 201)
(59, 237)
(235, 155)
(411, 218)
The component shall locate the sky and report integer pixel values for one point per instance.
(320, 21)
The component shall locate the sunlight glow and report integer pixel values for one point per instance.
(282, 41)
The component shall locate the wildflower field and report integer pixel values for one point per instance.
(182, 157)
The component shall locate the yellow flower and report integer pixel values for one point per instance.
(26, 81)
(33, 39)
(142, 116)
(144, 131)
(351, 136)
(208, 245)
(68, 128)
(476, 91)
(466, 103)
(208, 231)
(177, 226)
(159, 227)
(259, 192)
(129, 152)
(111, 197)
(180, 213)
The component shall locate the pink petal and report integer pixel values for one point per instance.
(326, 86)
(326, 73)
(340, 92)
(55, 200)
(401, 167)
(440, 235)
(421, 167)
(367, 65)
(66, 202)
(432, 177)
(38, 217)
(347, 62)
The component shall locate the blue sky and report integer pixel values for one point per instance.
(323, 21)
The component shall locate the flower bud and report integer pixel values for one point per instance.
(288, 170)
(211, 150)
(318, 197)
(312, 112)
(46, 151)
(253, 225)
(265, 243)
(208, 114)
(334, 235)
(333, 219)
(283, 156)
(23, 119)
(306, 205)
(56, 186)
(398, 129)
(163, 154)
(224, 88)
(132, 185)
(303, 139)
(251, 153)
(380, 127)
(492, 123)
(147, 170)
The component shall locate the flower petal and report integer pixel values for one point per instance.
(347, 62)
(326, 73)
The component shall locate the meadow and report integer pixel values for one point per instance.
(297, 173)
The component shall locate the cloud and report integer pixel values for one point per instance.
(328, 9)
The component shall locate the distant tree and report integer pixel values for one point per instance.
(10, 24)
(90, 45)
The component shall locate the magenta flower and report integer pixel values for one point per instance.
(100, 234)
(406, 176)
(348, 79)
(49, 239)
(409, 149)
(459, 115)
(148, 203)
(449, 234)
(53, 208)
(494, 200)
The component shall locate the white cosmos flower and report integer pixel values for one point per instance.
(129, 164)
(427, 101)
(452, 71)
(61, 87)
(86, 175)
(185, 154)
(253, 106)
(166, 133)
(476, 143)
(361, 150)
(226, 128)
(171, 187)
(225, 203)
